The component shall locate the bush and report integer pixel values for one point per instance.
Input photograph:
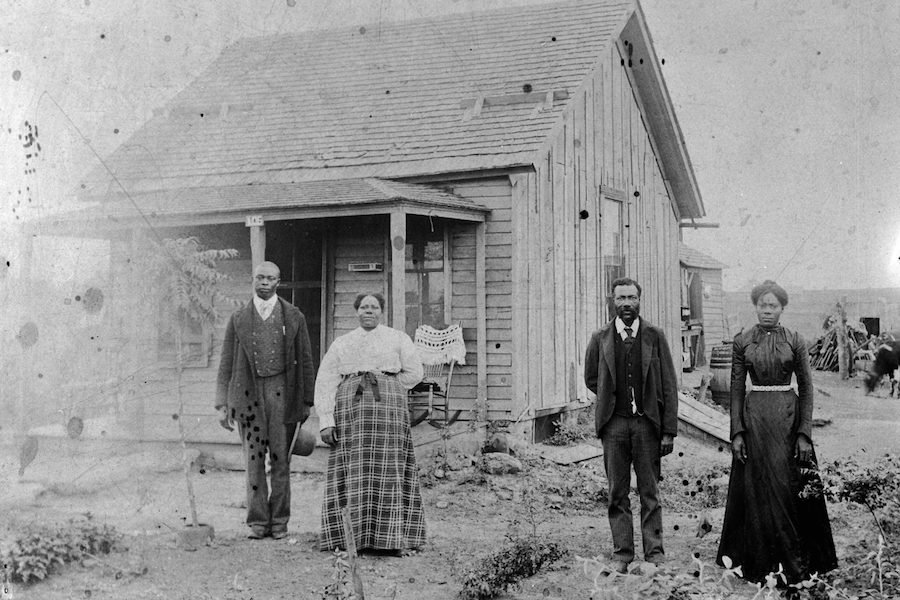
(871, 567)
(42, 550)
(521, 558)
(877, 488)
(565, 434)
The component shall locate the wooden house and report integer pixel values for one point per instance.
(496, 170)
(702, 306)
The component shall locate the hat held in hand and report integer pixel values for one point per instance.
(304, 441)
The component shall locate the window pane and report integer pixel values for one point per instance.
(413, 290)
(412, 321)
(433, 314)
(433, 291)
(611, 230)
(424, 263)
(434, 255)
(612, 247)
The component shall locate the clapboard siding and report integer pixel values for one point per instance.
(602, 143)
(496, 194)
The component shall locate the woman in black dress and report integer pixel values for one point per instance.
(767, 523)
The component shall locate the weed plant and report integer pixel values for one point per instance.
(522, 556)
(341, 585)
(872, 567)
(41, 550)
(688, 489)
(566, 434)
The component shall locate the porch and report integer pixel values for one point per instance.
(331, 241)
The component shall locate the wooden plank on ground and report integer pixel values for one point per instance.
(570, 455)
(707, 419)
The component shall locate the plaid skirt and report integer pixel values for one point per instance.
(372, 470)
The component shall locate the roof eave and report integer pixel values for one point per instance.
(424, 170)
(661, 118)
(391, 200)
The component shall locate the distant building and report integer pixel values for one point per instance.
(808, 310)
(703, 323)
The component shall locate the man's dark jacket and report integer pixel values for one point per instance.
(660, 381)
(236, 383)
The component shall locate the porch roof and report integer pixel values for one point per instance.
(301, 200)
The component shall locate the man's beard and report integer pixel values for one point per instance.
(628, 314)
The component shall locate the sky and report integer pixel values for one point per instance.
(790, 111)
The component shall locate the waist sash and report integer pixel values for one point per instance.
(370, 378)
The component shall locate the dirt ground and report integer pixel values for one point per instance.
(140, 490)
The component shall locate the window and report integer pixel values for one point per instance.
(612, 244)
(297, 247)
(196, 340)
(425, 273)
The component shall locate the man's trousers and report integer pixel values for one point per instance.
(627, 441)
(264, 431)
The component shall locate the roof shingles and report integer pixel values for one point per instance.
(302, 103)
(327, 194)
(690, 257)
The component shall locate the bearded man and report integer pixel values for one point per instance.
(629, 367)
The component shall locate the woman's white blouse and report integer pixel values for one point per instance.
(382, 349)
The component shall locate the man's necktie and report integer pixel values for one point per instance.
(629, 340)
(266, 312)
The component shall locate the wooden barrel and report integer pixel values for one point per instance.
(720, 369)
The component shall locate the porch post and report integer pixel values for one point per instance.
(257, 240)
(398, 269)
(481, 319)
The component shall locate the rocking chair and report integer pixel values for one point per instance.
(440, 351)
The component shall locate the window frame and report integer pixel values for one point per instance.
(420, 237)
(609, 197)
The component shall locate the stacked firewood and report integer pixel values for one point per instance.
(823, 353)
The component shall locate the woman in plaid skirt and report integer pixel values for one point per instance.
(360, 399)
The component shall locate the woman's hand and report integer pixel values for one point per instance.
(739, 448)
(803, 449)
(328, 436)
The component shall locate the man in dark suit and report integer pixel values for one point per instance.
(266, 385)
(629, 367)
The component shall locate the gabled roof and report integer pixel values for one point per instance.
(464, 92)
(689, 257)
(318, 198)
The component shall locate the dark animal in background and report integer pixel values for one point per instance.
(887, 362)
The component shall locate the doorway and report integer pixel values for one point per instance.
(297, 247)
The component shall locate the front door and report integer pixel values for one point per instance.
(297, 248)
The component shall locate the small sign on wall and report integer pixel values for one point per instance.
(365, 267)
(253, 221)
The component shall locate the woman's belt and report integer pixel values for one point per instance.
(770, 388)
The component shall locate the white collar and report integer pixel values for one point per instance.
(620, 327)
(261, 304)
